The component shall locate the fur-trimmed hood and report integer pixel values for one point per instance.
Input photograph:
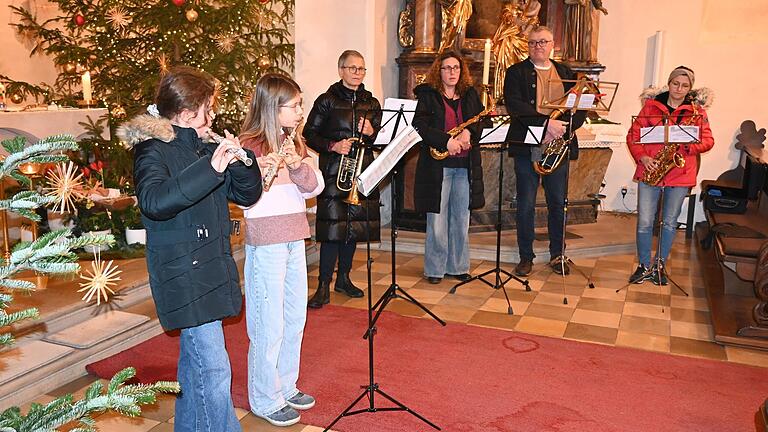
(144, 127)
(702, 96)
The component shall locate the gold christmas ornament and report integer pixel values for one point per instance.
(264, 63)
(66, 186)
(118, 18)
(100, 279)
(17, 98)
(225, 42)
(70, 68)
(162, 60)
(191, 15)
(118, 112)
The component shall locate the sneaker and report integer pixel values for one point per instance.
(640, 275)
(434, 280)
(301, 401)
(285, 416)
(462, 277)
(559, 266)
(655, 277)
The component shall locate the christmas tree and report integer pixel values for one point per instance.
(52, 254)
(126, 44)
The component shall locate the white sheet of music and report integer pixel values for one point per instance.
(677, 134)
(586, 101)
(394, 104)
(383, 164)
(491, 136)
(534, 135)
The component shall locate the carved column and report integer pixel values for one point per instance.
(424, 26)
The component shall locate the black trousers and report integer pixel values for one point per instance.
(329, 252)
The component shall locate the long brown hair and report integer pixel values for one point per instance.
(184, 88)
(261, 127)
(433, 76)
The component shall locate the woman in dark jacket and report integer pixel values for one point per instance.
(448, 189)
(183, 186)
(328, 130)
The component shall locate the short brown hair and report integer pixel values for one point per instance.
(433, 76)
(347, 54)
(184, 88)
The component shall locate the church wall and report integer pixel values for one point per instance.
(723, 42)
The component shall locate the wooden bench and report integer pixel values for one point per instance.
(735, 271)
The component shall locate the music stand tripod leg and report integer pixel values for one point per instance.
(498, 284)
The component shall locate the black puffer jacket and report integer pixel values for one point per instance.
(330, 120)
(183, 203)
(429, 120)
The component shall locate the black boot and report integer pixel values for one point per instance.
(344, 285)
(322, 295)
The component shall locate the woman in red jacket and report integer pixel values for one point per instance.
(679, 105)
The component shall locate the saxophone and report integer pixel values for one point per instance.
(271, 173)
(668, 157)
(440, 155)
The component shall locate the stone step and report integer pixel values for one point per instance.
(95, 330)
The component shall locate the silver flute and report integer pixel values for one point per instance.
(271, 173)
(239, 153)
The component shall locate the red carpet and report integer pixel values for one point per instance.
(467, 379)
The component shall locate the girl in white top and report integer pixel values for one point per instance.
(275, 259)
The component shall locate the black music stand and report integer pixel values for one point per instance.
(394, 291)
(373, 388)
(572, 102)
(663, 121)
(497, 270)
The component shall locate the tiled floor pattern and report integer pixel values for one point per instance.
(643, 316)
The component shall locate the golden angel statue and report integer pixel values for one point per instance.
(510, 43)
(454, 22)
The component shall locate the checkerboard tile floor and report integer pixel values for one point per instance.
(643, 316)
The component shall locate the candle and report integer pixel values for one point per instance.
(87, 94)
(486, 61)
(656, 67)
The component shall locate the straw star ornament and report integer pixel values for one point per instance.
(66, 186)
(102, 277)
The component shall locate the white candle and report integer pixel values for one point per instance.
(486, 61)
(657, 52)
(87, 94)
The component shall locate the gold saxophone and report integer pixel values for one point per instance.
(440, 155)
(668, 157)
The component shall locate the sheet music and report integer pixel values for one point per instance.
(534, 135)
(382, 165)
(677, 134)
(388, 120)
(585, 101)
(491, 136)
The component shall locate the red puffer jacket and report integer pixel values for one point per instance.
(651, 115)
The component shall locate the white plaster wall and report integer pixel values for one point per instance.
(725, 43)
(15, 61)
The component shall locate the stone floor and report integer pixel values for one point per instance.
(644, 316)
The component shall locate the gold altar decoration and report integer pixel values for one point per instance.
(455, 20)
(66, 186)
(510, 43)
(99, 280)
(405, 26)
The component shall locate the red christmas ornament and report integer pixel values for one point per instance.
(79, 20)
(264, 1)
(179, 3)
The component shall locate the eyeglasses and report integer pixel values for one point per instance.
(454, 68)
(538, 43)
(298, 106)
(355, 69)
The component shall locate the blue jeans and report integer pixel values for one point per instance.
(527, 181)
(276, 310)
(205, 376)
(447, 246)
(647, 203)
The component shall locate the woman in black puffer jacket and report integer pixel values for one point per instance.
(327, 131)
